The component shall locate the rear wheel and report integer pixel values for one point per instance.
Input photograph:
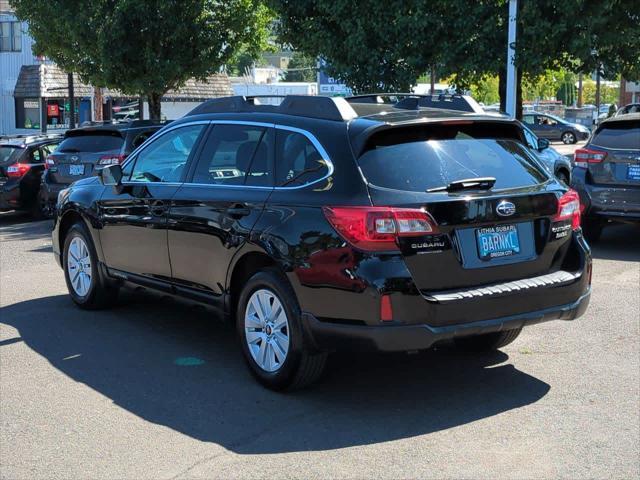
(568, 137)
(270, 332)
(488, 342)
(85, 281)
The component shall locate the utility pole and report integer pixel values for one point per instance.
(597, 92)
(72, 102)
(432, 77)
(511, 53)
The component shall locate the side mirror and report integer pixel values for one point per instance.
(111, 175)
(543, 144)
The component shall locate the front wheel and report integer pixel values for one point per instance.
(488, 342)
(270, 332)
(86, 284)
(568, 138)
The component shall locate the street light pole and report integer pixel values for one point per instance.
(511, 53)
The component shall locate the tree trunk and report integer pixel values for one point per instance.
(432, 79)
(519, 94)
(154, 99)
(580, 90)
(98, 112)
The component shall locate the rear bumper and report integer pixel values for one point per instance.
(10, 197)
(615, 203)
(50, 191)
(336, 336)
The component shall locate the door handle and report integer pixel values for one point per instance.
(238, 210)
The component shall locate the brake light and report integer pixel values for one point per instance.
(378, 228)
(585, 156)
(569, 209)
(386, 310)
(50, 161)
(17, 170)
(111, 159)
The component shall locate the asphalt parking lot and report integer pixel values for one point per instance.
(156, 388)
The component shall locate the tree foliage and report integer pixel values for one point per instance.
(144, 46)
(380, 46)
(302, 68)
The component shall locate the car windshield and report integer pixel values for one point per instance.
(9, 153)
(423, 165)
(92, 143)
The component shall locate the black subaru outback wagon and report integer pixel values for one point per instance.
(320, 224)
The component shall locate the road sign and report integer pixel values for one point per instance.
(330, 86)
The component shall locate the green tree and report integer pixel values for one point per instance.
(302, 68)
(144, 47)
(383, 49)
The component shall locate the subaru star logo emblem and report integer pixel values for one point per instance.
(505, 208)
(75, 158)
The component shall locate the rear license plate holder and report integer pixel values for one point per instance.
(633, 172)
(76, 170)
(497, 242)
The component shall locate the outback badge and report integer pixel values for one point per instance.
(505, 208)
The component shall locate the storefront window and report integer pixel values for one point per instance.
(28, 113)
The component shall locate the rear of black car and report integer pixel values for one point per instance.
(469, 232)
(85, 150)
(607, 173)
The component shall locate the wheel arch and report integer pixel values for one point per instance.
(69, 218)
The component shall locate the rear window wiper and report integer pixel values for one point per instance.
(480, 183)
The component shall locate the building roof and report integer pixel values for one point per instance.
(49, 81)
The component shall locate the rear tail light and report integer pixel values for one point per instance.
(386, 311)
(17, 170)
(378, 228)
(569, 209)
(50, 161)
(111, 159)
(584, 156)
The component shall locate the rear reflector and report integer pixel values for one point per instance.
(569, 209)
(585, 156)
(386, 311)
(17, 170)
(378, 228)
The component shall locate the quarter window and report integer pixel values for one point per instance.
(165, 159)
(299, 162)
(236, 155)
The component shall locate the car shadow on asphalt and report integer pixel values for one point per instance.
(175, 365)
(618, 242)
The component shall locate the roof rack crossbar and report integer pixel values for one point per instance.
(324, 108)
(415, 101)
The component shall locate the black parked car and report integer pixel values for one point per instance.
(606, 174)
(85, 150)
(315, 229)
(549, 126)
(22, 161)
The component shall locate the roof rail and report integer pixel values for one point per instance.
(414, 101)
(324, 108)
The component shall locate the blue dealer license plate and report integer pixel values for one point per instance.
(633, 172)
(498, 241)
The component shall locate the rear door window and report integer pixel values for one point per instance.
(299, 162)
(92, 143)
(236, 155)
(418, 166)
(618, 135)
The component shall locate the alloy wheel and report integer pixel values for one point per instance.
(266, 330)
(568, 138)
(79, 266)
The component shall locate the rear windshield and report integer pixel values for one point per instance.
(422, 165)
(9, 153)
(623, 135)
(91, 143)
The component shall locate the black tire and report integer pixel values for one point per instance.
(302, 366)
(568, 138)
(100, 294)
(487, 342)
(563, 177)
(592, 229)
